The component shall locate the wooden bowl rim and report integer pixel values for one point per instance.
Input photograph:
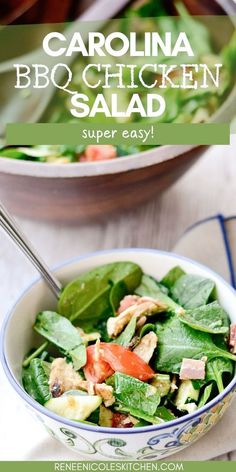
(140, 160)
(151, 157)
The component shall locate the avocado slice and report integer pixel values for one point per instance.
(105, 417)
(74, 407)
(186, 394)
(162, 382)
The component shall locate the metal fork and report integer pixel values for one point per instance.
(12, 229)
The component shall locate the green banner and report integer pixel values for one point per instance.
(84, 133)
(144, 68)
(117, 466)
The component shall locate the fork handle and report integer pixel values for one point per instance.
(11, 228)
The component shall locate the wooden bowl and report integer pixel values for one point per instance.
(73, 192)
(82, 191)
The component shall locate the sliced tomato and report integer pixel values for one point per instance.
(99, 152)
(96, 369)
(127, 362)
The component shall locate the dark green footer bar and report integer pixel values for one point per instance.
(117, 466)
(125, 134)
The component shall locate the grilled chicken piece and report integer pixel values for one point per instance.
(87, 337)
(173, 385)
(126, 302)
(63, 377)
(144, 307)
(146, 347)
(106, 392)
(141, 321)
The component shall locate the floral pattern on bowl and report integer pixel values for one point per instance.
(120, 447)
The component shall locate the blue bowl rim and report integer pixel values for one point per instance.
(99, 429)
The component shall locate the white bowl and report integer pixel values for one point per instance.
(94, 442)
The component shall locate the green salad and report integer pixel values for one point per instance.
(126, 350)
(182, 105)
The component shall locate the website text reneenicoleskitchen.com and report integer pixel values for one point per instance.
(118, 466)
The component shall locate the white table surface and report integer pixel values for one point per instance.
(208, 188)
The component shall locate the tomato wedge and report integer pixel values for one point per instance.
(103, 359)
(96, 369)
(127, 362)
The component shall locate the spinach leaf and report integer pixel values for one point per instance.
(101, 327)
(152, 8)
(128, 333)
(149, 287)
(209, 318)
(45, 356)
(78, 356)
(229, 55)
(177, 340)
(98, 292)
(58, 330)
(172, 276)
(141, 423)
(35, 380)
(216, 369)
(196, 31)
(205, 396)
(165, 414)
(12, 153)
(36, 353)
(192, 291)
(135, 395)
(162, 414)
(139, 414)
(116, 294)
(197, 383)
(146, 329)
(94, 417)
(220, 370)
(125, 150)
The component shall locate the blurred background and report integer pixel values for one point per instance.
(56, 11)
(40, 11)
